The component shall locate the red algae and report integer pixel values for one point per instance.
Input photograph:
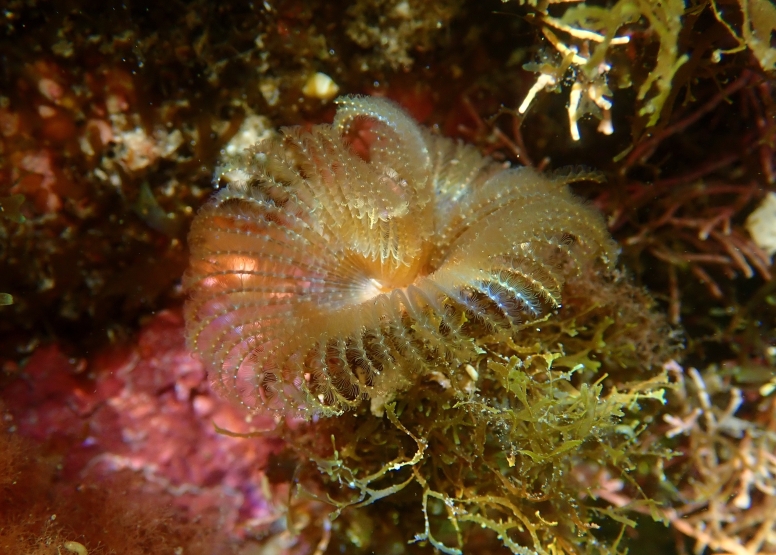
(42, 514)
(145, 409)
(112, 119)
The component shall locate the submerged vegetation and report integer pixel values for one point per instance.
(587, 55)
(543, 445)
(634, 402)
(408, 275)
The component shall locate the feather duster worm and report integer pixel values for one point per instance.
(338, 274)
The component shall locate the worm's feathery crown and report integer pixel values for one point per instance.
(335, 276)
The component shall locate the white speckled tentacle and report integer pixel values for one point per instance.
(399, 144)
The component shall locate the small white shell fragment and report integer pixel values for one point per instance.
(320, 85)
(254, 129)
(761, 224)
(270, 90)
(473, 374)
(403, 10)
(75, 547)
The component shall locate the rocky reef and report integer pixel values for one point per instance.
(605, 379)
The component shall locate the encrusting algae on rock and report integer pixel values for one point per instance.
(472, 304)
(545, 432)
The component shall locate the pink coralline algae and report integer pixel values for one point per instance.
(147, 408)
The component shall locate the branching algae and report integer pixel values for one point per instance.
(592, 32)
(449, 328)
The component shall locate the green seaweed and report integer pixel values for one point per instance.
(521, 448)
(664, 19)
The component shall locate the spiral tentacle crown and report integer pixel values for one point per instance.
(337, 274)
